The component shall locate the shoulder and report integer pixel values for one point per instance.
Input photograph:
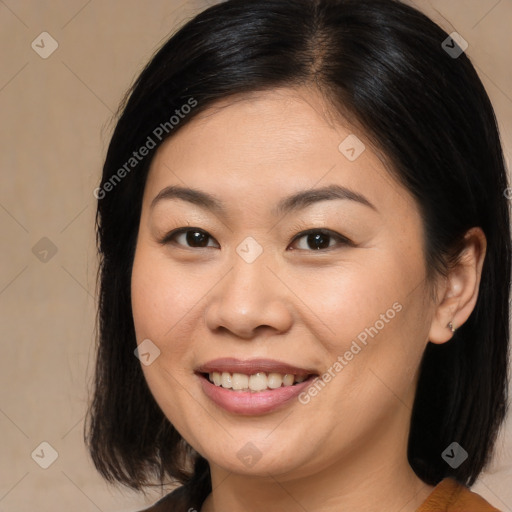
(452, 496)
(175, 500)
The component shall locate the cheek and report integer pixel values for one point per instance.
(361, 298)
(163, 312)
(374, 312)
(163, 297)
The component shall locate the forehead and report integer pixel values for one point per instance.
(262, 146)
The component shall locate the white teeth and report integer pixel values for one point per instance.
(274, 380)
(256, 382)
(288, 379)
(240, 381)
(216, 377)
(225, 380)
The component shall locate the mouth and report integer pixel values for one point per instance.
(253, 387)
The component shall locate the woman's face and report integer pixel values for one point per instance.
(348, 302)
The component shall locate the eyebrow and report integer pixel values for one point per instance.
(286, 205)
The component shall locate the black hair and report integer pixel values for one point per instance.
(383, 65)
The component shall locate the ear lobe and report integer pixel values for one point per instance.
(460, 293)
(440, 330)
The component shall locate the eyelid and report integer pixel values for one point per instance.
(341, 239)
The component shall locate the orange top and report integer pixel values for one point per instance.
(447, 496)
(451, 496)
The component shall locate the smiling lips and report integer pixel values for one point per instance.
(252, 387)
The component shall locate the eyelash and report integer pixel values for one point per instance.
(342, 240)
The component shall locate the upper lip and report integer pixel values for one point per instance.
(252, 366)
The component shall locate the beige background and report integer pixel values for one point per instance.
(56, 120)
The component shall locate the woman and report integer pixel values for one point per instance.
(305, 266)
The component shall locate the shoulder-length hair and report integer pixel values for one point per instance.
(387, 67)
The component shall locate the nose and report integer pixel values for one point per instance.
(249, 299)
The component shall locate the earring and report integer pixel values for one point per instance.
(450, 326)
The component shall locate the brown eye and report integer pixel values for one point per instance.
(188, 237)
(320, 239)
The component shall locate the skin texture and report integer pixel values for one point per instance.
(346, 448)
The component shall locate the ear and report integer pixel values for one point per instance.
(459, 293)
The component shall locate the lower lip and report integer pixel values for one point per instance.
(250, 402)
